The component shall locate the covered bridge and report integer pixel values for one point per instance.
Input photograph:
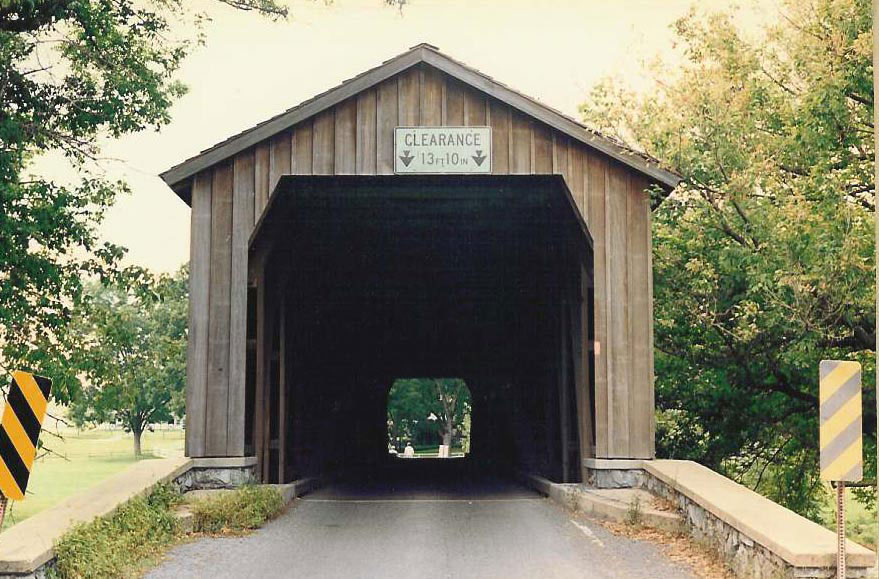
(321, 271)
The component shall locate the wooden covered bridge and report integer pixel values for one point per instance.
(324, 265)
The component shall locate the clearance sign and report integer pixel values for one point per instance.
(442, 150)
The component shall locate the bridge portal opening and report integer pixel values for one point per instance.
(360, 280)
(429, 418)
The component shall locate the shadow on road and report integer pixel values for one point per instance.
(423, 479)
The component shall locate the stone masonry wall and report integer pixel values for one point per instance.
(215, 478)
(746, 557)
(604, 478)
(743, 555)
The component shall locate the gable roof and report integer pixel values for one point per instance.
(177, 177)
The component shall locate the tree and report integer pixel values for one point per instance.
(454, 399)
(763, 261)
(421, 409)
(72, 72)
(133, 354)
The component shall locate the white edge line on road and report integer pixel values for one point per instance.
(588, 532)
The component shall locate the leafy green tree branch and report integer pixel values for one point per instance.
(763, 257)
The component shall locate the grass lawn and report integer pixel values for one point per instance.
(860, 524)
(87, 457)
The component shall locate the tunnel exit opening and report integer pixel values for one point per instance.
(358, 281)
(429, 418)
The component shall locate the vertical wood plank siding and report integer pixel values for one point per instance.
(520, 144)
(475, 105)
(542, 161)
(345, 138)
(386, 107)
(303, 138)
(261, 167)
(199, 287)
(279, 159)
(560, 163)
(499, 121)
(409, 98)
(432, 87)
(219, 323)
(366, 130)
(640, 328)
(323, 146)
(577, 178)
(242, 224)
(356, 136)
(619, 365)
(454, 104)
(596, 170)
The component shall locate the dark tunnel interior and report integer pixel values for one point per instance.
(361, 280)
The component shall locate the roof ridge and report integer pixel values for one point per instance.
(429, 55)
(541, 103)
(433, 47)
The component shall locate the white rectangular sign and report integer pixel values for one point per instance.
(442, 150)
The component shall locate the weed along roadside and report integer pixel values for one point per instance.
(136, 536)
(119, 545)
(235, 511)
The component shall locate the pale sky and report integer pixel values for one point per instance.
(252, 69)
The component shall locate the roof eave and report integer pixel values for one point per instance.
(551, 117)
(179, 176)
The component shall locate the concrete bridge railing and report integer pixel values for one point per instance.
(757, 537)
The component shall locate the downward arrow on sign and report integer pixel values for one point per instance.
(479, 158)
(406, 158)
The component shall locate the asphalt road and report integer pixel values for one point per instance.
(419, 527)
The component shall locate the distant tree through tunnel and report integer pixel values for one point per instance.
(428, 412)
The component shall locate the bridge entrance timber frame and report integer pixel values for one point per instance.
(346, 134)
(360, 279)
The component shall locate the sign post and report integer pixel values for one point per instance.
(19, 432)
(840, 437)
(840, 529)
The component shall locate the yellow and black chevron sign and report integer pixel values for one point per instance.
(20, 430)
(840, 414)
